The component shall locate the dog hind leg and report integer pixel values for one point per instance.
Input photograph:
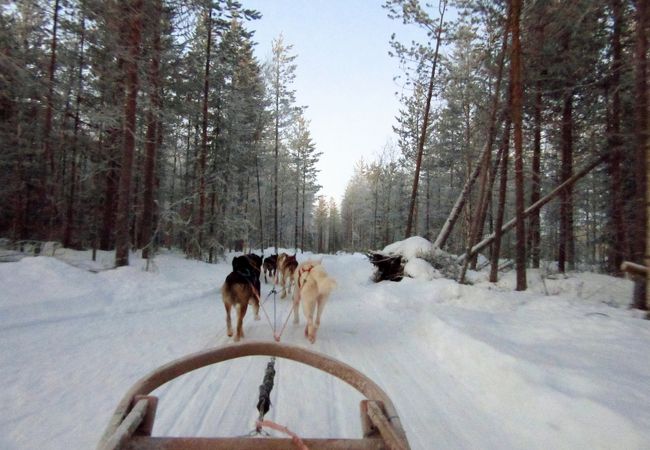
(227, 305)
(308, 310)
(284, 286)
(296, 306)
(289, 283)
(241, 312)
(255, 301)
(319, 310)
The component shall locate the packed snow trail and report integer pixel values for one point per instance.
(560, 366)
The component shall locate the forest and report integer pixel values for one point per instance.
(139, 125)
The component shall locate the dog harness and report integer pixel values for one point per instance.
(300, 272)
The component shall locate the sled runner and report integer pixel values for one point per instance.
(132, 422)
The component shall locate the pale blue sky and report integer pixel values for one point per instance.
(344, 75)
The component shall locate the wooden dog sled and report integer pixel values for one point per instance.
(131, 425)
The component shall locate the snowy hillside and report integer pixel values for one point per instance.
(563, 365)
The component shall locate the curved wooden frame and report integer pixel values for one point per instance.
(131, 423)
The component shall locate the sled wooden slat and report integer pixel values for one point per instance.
(380, 410)
(380, 421)
(176, 443)
(128, 426)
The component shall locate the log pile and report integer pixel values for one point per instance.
(387, 267)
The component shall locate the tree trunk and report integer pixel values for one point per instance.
(295, 225)
(448, 226)
(534, 223)
(48, 152)
(48, 182)
(302, 227)
(486, 185)
(259, 197)
(152, 137)
(427, 212)
(542, 201)
(276, 154)
(496, 246)
(70, 210)
(387, 237)
(375, 208)
(107, 236)
(469, 211)
(280, 209)
(517, 91)
(617, 231)
(566, 253)
(213, 210)
(130, 104)
(21, 195)
(425, 125)
(640, 241)
(204, 139)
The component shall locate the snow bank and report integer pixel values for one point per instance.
(420, 269)
(418, 254)
(410, 248)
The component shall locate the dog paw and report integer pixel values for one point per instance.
(257, 317)
(230, 334)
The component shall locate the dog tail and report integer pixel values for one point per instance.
(256, 295)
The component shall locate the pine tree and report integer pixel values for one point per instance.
(320, 223)
(412, 12)
(280, 76)
(133, 39)
(304, 158)
(154, 129)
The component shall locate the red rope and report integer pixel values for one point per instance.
(294, 437)
(277, 337)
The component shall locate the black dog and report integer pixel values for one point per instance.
(249, 267)
(270, 264)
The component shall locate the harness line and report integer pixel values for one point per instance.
(264, 402)
(276, 335)
(274, 325)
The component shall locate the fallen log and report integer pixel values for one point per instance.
(634, 269)
(541, 202)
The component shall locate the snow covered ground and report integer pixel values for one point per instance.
(563, 365)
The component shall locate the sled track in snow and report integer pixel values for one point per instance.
(211, 401)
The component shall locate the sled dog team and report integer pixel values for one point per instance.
(310, 282)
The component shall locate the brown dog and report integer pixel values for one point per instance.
(270, 262)
(238, 291)
(313, 288)
(286, 267)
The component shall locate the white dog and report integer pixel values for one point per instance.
(312, 288)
